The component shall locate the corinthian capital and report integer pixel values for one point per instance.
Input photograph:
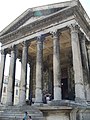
(74, 27)
(55, 33)
(25, 43)
(41, 38)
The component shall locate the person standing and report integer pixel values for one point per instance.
(25, 116)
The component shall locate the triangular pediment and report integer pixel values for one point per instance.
(33, 14)
(39, 14)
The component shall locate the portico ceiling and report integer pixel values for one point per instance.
(65, 48)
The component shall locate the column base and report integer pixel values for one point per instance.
(81, 101)
(8, 104)
(38, 95)
(59, 102)
(68, 103)
(9, 101)
(22, 104)
(37, 104)
(57, 93)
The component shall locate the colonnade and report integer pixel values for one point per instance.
(77, 67)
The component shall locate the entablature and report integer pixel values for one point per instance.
(62, 26)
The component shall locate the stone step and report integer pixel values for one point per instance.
(15, 118)
(17, 113)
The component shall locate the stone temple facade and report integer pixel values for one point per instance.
(54, 39)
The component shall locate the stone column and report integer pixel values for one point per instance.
(77, 64)
(11, 81)
(39, 70)
(84, 52)
(50, 82)
(88, 94)
(89, 55)
(56, 66)
(2, 67)
(85, 66)
(88, 50)
(23, 83)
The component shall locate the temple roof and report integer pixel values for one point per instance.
(37, 13)
(36, 16)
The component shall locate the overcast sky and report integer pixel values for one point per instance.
(11, 9)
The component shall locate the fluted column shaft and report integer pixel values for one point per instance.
(22, 97)
(85, 66)
(77, 64)
(11, 81)
(56, 66)
(39, 70)
(2, 67)
(84, 53)
(89, 56)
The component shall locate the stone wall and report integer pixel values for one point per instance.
(70, 113)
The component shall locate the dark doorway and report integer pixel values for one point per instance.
(64, 87)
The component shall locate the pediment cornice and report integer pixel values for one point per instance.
(28, 13)
(37, 25)
(17, 22)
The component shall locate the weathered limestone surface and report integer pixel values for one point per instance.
(34, 80)
(2, 66)
(73, 114)
(58, 116)
(11, 82)
(56, 66)
(64, 50)
(58, 113)
(85, 64)
(89, 55)
(22, 99)
(77, 65)
(39, 70)
(84, 53)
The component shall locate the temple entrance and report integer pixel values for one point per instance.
(64, 87)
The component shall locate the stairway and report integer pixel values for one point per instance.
(17, 112)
